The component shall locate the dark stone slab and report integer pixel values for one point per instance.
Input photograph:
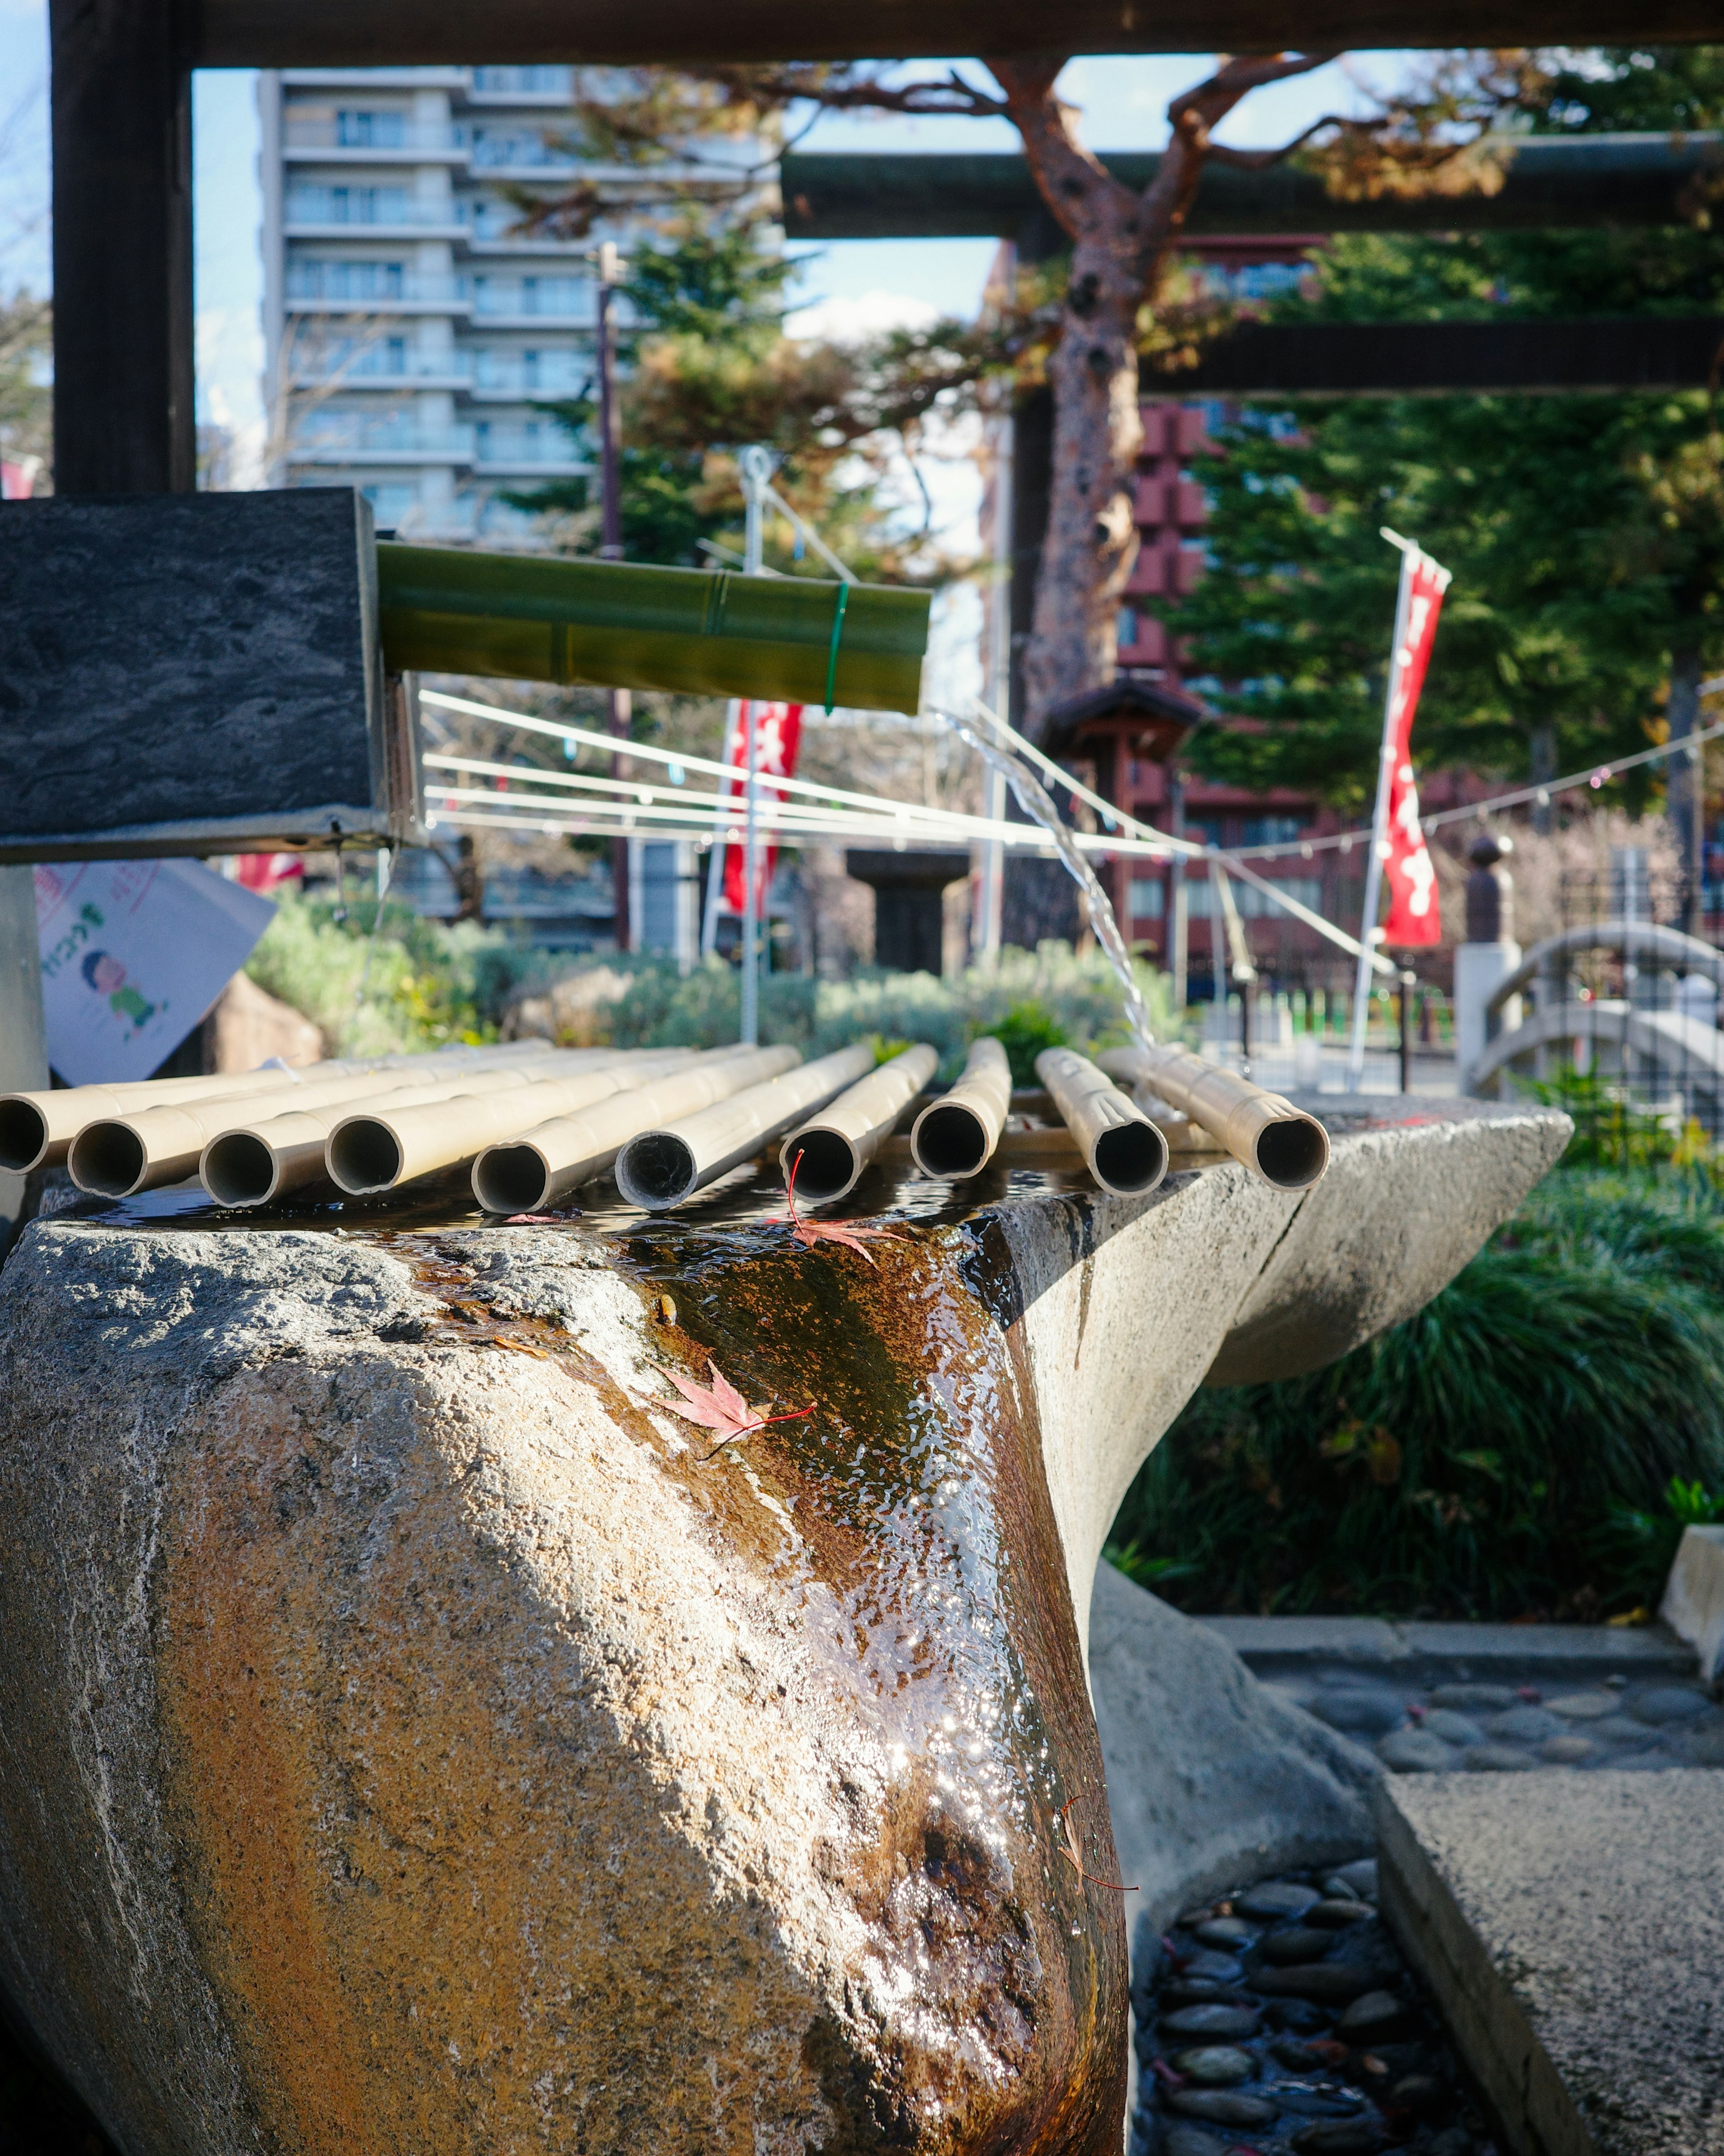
(183, 669)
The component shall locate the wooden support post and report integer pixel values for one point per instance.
(123, 421)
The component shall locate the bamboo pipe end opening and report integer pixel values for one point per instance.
(1132, 1158)
(23, 1135)
(949, 1139)
(238, 1168)
(824, 1162)
(364, 1156)
(656, 1171)
(108, 1160)
(511, 1179)
(1293, 1153)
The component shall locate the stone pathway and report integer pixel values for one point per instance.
(1506, 1729)
(1281, 2021)
(1492, 1698)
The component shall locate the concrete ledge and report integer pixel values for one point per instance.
(1572, 1933)
(1404, 1650)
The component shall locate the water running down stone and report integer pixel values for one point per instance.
(376, 1606)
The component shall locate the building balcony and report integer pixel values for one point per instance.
(382, 445)
(1170, 501)
(451, 373)
(518, 387)
(335, 213)
(402, 142)
(493, 236)
(403, 294)
(548, 455)
(543, 85)
(525, 156)
(529, 311)
(1160, 572)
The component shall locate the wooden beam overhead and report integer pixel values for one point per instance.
(1411, 359)
(404, 33)
(1553, 180)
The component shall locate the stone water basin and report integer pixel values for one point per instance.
(415, 1736)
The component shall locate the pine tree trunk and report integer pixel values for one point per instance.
(1091, 538)
(1119, 240)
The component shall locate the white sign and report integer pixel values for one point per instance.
(133, 954)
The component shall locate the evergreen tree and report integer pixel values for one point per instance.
(705, 368)
(1586, 533)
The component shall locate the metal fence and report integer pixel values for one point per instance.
(1619, 1021)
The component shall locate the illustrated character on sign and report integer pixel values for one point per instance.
(107, 977)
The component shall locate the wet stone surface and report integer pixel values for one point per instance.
(1355, 2063)
(1645, 1725)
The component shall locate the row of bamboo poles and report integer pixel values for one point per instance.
(533, 1123)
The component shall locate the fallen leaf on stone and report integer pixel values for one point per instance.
(1165, 2074)
(720, 1406)
(850, 1233)
(1072, 1850)
(531, 1221)
(520, 1348)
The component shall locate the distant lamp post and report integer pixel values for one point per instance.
(1488, 955)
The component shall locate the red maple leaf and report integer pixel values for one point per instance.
(850, 1233)
(720, 1406)
(1072, 1850)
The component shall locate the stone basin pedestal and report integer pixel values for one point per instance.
(414, 1737)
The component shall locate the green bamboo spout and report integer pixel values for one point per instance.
(623, 625)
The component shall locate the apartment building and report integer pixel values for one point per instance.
(412, 330)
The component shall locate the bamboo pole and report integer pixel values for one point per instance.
(633, 626)
(829, 1152)
(118, 1156)
(528, 1173)
(37, 1128)
(663, 1167)
(957, 1135)
(1280, 1144)
(370, 1153)
(1127, 1154)
(262, 1157)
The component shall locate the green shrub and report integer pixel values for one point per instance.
(1510, 1448)
(1611, 1130)
(1024, 1031)
(416, 984)
(1030, 1002)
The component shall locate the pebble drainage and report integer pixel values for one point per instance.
(1281, 2021)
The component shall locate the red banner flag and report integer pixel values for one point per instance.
(1413, 920)
(778, 737)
